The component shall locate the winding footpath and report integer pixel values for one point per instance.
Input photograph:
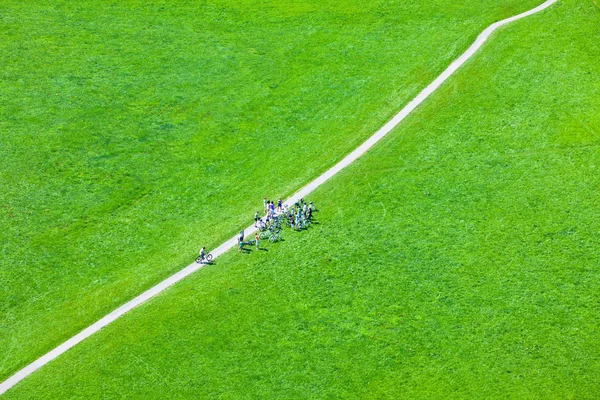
(304, 192)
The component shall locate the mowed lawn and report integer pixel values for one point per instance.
(134, 132)
(458, 259)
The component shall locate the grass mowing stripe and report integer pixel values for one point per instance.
(305, 191)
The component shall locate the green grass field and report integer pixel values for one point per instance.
(458, 259)
(134, 132)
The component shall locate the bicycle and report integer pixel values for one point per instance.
(275, 237)
(287, 223)
(204, 260)
(267, 233)
(275, 223)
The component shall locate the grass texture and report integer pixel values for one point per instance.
(458, 259)
(133, 133)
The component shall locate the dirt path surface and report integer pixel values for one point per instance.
(304, 192)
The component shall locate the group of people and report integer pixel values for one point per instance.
(300, 214)
(297, 217)
(269, 206)
(301, 211)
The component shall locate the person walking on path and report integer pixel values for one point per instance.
(256, 239)
(242, 235)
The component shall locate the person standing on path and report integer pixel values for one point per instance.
(241, 241)
(256, 219)
(265, 205)
(279, 203)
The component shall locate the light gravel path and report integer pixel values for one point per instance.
(304, 192)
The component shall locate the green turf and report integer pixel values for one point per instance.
(458, 259)
(134, 132)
